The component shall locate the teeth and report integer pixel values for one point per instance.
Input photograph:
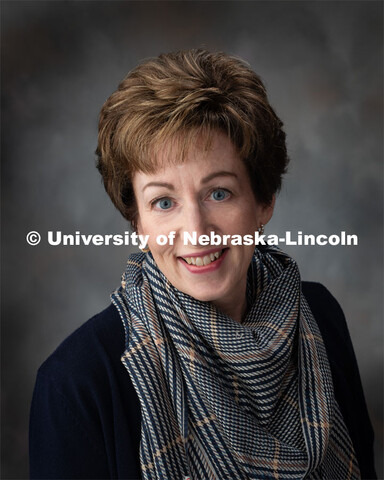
(207, 260)
(201, 261)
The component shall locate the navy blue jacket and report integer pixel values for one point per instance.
(85, 414)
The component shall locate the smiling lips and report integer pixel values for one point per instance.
(207, 261)
(203, 260)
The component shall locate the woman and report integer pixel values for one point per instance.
(212, 361)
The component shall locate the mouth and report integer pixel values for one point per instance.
(204, 259)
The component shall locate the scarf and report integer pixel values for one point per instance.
(227, 400)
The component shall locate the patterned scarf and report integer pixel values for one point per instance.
(224, 400)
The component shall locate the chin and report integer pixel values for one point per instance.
(203, 296)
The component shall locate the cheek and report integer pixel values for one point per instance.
(245, 223)
(146, 226)
(140, 227)
(159, 245)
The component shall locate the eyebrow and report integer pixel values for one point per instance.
(206, 179)
(159, 184)
(222, 173)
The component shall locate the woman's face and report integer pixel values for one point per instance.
(209, 192)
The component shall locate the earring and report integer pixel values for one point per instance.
(261, 229)
(145, 249)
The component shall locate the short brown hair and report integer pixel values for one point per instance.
(181, 95)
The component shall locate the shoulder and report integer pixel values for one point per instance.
(90, 353)
(345, 372)
(330, 319)
(85, 382)
(85, 414)
(104, 332)
(320, 299)
(334, 330)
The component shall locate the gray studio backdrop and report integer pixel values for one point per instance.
(322, 65)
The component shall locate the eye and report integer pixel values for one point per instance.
(220, 194)
(163, 203)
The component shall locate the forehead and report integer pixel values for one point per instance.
(199, 162)
(209, 151)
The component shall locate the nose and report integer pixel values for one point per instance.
(197, 219)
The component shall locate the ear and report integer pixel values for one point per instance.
(266, 211)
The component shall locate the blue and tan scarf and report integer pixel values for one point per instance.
(224, 400)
